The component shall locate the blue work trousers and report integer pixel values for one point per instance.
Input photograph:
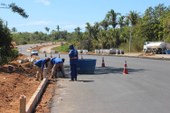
(73, 71)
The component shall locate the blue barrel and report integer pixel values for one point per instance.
(167, 51)
(86, 66)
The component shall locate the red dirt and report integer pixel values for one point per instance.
(45, 103)
(21, 81)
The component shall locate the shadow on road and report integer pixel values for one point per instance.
(85, 80)
(107, 70)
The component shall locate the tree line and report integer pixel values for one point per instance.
(7, 49)
(127, 32)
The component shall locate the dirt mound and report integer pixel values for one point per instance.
(12, 85)
(18, 78)
(22, 64)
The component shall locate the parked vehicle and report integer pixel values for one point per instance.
(109, 51)
(84, 51)
(156, 47)
(34, 52)
(116, 51)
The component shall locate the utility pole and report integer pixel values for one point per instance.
(130, 40)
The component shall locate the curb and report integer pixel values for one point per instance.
(31, 105)
(143, 57)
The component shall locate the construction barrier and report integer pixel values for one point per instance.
(125, 70)
(103, 63)
(31, 105)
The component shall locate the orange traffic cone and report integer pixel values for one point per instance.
(103, 64)
(125, 71)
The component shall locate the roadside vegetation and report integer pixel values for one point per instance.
(8, 51)
(127, 32)
(63, 48)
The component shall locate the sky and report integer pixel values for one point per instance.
(69, 14)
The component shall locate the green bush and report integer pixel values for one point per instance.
(63, 48)
(7, 58)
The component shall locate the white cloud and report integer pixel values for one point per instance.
(45, 2)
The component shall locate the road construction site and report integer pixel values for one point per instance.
(114, 65)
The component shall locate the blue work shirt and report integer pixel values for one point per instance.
(40, 63)
(73, 55)
(56, 60)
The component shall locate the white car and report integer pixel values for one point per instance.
(34, 52)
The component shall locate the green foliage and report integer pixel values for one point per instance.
(165, 22)
(133, 17)
(63, 48)
(17, 9)
(115, 31)
(125, 47)
(6, 48)
(7, 58)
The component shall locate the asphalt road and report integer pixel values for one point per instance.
(146, 89)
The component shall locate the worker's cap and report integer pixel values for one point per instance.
(47, 59)
(71, 47)
(63, 59)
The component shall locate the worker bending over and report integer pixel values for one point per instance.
(57, 65)
(40, 64)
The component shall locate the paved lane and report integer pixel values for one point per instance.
(145, 89)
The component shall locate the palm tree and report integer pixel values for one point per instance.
(121, 21)
(47, 29)
(93, 30)
(127, 22)
(104, 24)
(77, 30)
(14, 29)
(160, 10)
(102, 39)
(133, 17)
(58, 28)
(92, 33)
(111, 18)
(96, 29)
(89, 29)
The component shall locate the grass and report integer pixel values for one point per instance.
(63, 48)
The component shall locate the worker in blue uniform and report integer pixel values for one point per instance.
(57, 65)
(40, 64)
(73, 55)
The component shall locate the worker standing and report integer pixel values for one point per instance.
(73, 55)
